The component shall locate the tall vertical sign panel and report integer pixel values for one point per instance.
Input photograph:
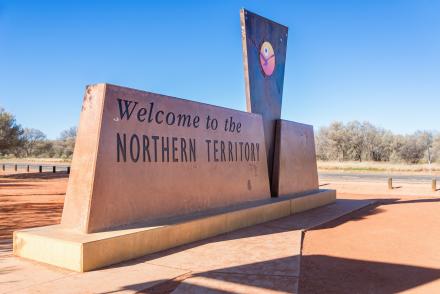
(142, 156)
(264, 54)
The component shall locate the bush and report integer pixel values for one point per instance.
(366, 142)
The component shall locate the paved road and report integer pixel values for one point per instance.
(375, 177)
(362, 177)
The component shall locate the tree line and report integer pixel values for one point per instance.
(28, 142)
(355, 141)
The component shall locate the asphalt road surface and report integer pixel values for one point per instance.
(349, 177)
(323, 176)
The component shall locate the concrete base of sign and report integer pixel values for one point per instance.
(85, 252)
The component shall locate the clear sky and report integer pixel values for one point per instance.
(347, 60)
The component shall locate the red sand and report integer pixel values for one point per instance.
(390, 247)
(30, 200)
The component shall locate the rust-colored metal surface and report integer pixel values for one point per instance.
(295, 169)
(264, 56)
(141, 156)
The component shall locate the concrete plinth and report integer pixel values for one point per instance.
(295, 170)
(69, 249)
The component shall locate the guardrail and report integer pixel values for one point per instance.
(32, 167)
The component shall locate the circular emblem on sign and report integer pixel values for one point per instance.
(267, 58)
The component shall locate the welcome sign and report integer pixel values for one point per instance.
(141, 156)
(155, 148)
(151, 172)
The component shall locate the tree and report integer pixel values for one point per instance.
(322, 144)
(69, 133)
(425, 140)
(65, 145)
(338, 141)
(356, 140)
(10, 133)
(44, 149)
(435, 150)
(415, 147)
(364, 141)
(31, 139)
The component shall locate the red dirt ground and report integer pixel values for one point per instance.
(30, 200)
(392, 246)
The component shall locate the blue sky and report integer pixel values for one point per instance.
(347, 60)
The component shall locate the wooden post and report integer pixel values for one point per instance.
(28, 168)
(68, 170)
(54, 169)
(15, 167)
(4, 167)
(40, 169)
(434, 185)
(390, 183)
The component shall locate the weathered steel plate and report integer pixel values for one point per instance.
(264, 54)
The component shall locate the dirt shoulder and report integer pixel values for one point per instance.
(30, 200)
(389, 247)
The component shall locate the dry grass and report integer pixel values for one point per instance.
(34, 160)
(353, 166)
